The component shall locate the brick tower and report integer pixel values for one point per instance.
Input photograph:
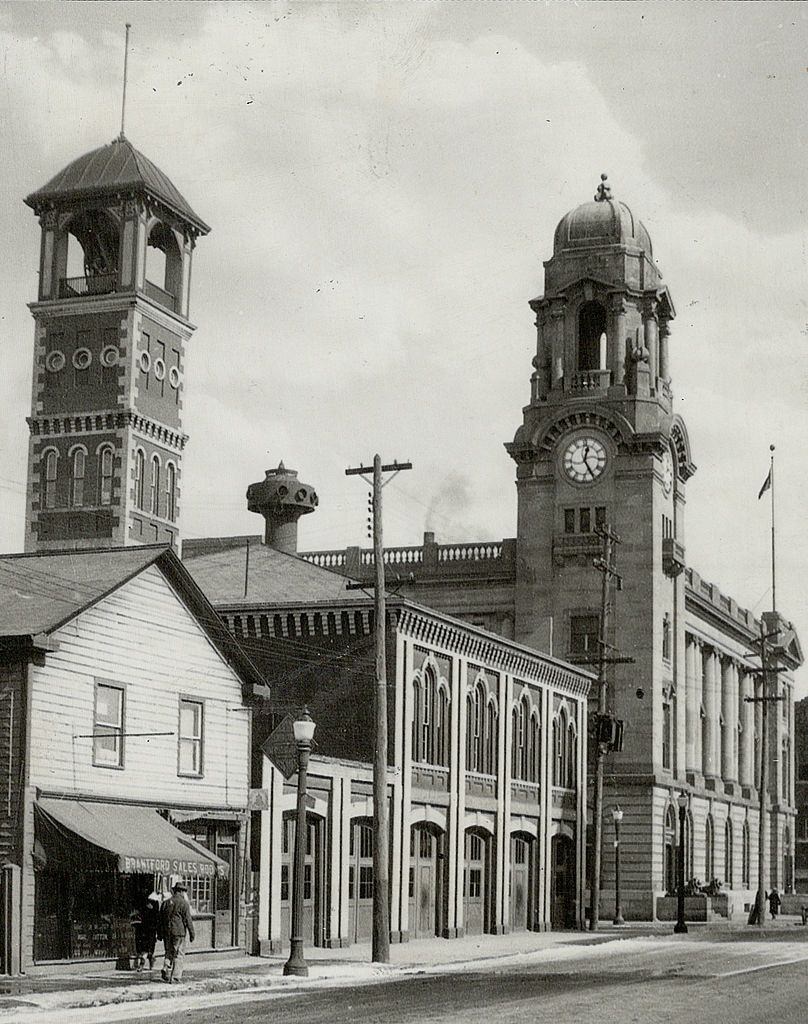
(105, 451)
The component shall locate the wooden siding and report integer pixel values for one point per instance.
(143, 637)
(12, 732)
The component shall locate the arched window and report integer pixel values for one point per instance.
(728, 860)
(670, 850)
(140, 473)
(51, 470)
(442, 729)
(571, 756)
(479, 727)
(427, 719)
(491, 739)
(171, 492)
(591, 337)
(535, 747)
(105, 461)
(163, 266)
(689, 844)
(77, 464)
(154, 490)
(558, 752)
(515, 743)
(745, 859)
(666, 637)
(709, 850)
(524, 737)
(417, 715)
(471, 739)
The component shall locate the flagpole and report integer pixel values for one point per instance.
(771, 488)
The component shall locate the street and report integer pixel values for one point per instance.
(636, 981)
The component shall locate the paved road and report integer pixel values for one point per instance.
(672, 981)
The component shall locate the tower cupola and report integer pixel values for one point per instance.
(281, 499)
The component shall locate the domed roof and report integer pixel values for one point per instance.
(113, 168)
(605, 221)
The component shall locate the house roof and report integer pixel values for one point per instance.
(112, 168)
(41, 592)
(273, 577)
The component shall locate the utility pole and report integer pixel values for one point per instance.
(381, 825)
(766, 697)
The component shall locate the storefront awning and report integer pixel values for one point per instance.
(142, 840)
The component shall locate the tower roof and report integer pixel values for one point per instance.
(604, 221)
(112, 168)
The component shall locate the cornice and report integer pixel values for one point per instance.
(94, 422)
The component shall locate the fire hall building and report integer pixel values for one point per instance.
(599, 444)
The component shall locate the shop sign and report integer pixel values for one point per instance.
(165, 866)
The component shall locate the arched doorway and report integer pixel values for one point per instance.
(360, 880)
(426, 888)
(670, 851)
(523, 903)
(562, 906)
(477, 882)
(312, 925)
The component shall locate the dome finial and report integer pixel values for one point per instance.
(604, 191)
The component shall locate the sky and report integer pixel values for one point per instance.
(383, 181)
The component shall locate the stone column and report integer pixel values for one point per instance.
(651, 326)
(557, 342)
(692, 717)
(664, 363)
(729, 710)
(747, 738)
(698, 695)
(710, 763)
(616, 350)
(544, 358)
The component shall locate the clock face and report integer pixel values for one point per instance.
(584, 459)
(667, 472)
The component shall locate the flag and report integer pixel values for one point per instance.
(766, 484)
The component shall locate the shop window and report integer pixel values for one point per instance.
(200, 893)
(190, 737)
(108, 726)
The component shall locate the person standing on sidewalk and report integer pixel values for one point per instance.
(176, 921)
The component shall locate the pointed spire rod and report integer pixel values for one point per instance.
(125, 72)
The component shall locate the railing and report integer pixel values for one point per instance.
(396, 556)
(77, 287)
(160, 295)
(590, 380)
(469, 552)
(325, 559)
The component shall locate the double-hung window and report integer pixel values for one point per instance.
(108, 725)
(192, 721)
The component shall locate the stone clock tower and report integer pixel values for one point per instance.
(112, 321)
(600, 445)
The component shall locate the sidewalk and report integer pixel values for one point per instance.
(65, 987)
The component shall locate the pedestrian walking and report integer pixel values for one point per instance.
(774, 903)
(147, 925)
(175, 921)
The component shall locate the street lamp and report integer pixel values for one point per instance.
(304, 732)
(617, 817)
(680, 928)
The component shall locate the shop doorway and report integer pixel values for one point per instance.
(311, 926)
(522, 886)
(360, 880)
(562, 906)
(224, 923)
(426, 886)
(477, 882)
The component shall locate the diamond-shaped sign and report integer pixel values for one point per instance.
(281, 749)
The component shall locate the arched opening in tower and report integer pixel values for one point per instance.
(592, 337)
(164, 260)
(92, 240)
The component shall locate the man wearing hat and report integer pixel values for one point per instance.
(176, 920)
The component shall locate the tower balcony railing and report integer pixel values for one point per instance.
(590, 380)
(160, 295)
(94, 284)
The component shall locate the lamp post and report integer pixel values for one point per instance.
(680, 928)
(304, 733)
(617, 817)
